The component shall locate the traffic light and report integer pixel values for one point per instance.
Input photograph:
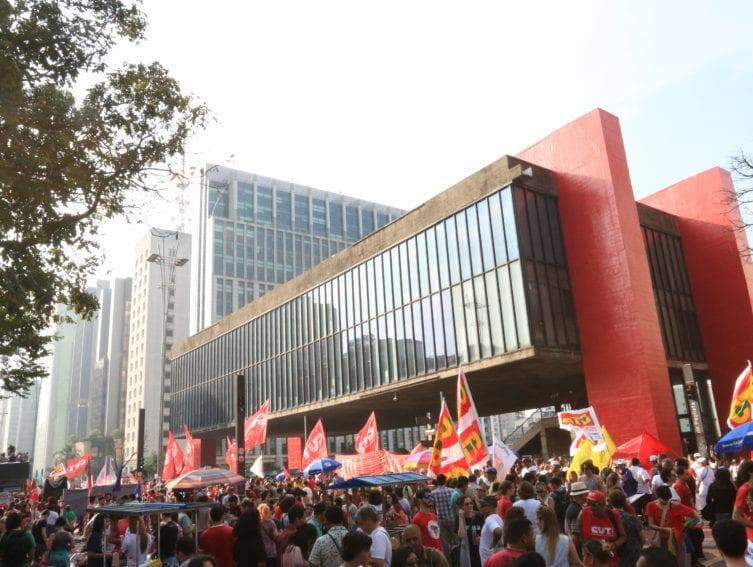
(691, 392)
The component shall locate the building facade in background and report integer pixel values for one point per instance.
(117, 355)
(159, 310)
(18, 419)
(254, 233)
(540, 275)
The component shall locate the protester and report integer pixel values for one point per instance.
(441, 497)
(328, 549)
(743, 509)
(268, 530)
(492, 530)
(470, 523)
(595, 555)
(216, 538)
(95, 544)
(519, 540)
(656, 557)
(426, 556)
(381, 546)
(720, 499)
(668, 517)
(136, 542)
(731, 541)
(427, 521)
(528, 502)
(248, 549)
(60, 545)
(185, 549)
(556, 548)
(597, 523)
(631, 549)
(356, 549)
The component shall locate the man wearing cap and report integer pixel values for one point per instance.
(598, 523)
(578, 493)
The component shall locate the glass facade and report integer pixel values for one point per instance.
(486, 280)
(674, 300)
(265, 232)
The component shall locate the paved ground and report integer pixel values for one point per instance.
(713, 558)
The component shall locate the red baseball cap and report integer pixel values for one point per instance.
(596, 496)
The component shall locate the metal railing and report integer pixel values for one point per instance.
(529, 423)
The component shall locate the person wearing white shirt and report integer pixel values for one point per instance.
(704, 477)
(381, 546)
(491, 531)
(529, 503)
(136, 542)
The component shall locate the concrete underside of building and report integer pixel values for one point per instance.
(655, 287)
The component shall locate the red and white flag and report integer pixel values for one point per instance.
(173, 459)
(469, 431)
(367, 440)
(447, 456)
(316, 445)
(255, 427)
(188, 454)
(77, 466)
(231, 454)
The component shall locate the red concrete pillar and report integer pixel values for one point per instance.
(721, 275)
(625, 367)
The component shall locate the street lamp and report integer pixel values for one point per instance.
(167, 263)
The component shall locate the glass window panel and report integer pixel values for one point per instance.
(452, 249)
(319, 216)
(282, 209)
(444, 267)
(289, 256)
(459, 316)
(384, 363)
(349, 295)
(375, 368)
(317, 251)
(260, 255)
(351, 221)
(395, 261)
(371, 280)
(391, 346)
(400, 343)
(345, 362)
(302, 213)
(431, 251)
(482, 317)
(382, 219)
(429, 349)
(485, 234)
(352, 361)
(229, 245)
(270, 259)
(240, 253)
(379, 279)
(436, 311)
(463, 247)
(415, 290)
(264, 204)
(404, 272)
(336, 219)
(423, 266)
(217, 199)
(367, 221)
(358, 349)
(470, 320)
(366, 340)
(387, 269)
(245, 205)
(418, 338)
(508, 213)
(474, 240)
(342, 309)
(306, 253)
(495, 313)
(518, 293)
(250, 252)
(362, 276)
(280, 263)
(410, 355)
(354, 274)
(219, 247)
(449, 329)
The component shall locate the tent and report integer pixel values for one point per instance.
(380, 480)
(642, 446)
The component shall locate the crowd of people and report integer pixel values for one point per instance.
(539, 514)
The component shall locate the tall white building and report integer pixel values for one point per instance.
(117, 355)
(18, 418)
(159, 309)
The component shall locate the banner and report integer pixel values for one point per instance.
(192, 453)
(374, 462)
(447, 456)
(469, 432)
(255, 427)
(294, 453)
(316, 445)
(367, 440)
(583, 423)
(77, 466)
(57, 473)
(231, 455)
(742, 397)
(503, 458)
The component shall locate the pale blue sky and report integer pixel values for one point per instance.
(396, 101)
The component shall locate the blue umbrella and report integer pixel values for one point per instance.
(739, 439)
(321, 466)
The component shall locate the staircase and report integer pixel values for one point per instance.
(527, 431)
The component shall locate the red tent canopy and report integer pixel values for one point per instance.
(642, 447)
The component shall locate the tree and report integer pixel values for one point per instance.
(65, 164)
(742, 170)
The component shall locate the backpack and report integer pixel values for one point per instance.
(629, 485)
(16, 550)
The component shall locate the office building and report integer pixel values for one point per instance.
(117, 355)
(540, 274)
(159, 309)
(18, 418)
(254, 233)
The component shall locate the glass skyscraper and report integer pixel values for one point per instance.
(255, 232)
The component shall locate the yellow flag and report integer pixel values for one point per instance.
(582, 455)
(607, 448)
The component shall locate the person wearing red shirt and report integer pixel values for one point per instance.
(743, 510)
(682, 488)
(427, 521)
(506, 493)
(520, 540)
(217, 539)
(673, 514)
(597, 523)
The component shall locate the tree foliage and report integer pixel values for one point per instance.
(66, 164)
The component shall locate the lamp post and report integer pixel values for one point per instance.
(167, 263)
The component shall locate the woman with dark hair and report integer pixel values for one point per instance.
(297, 551)
(720, 499)
(60, 544)
(16, 544)
(136, 542)
(96, 556)
(248, 549)
(741, 511)
(631, 549)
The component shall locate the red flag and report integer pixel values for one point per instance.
(231, 454)
(173, 459)
(316, 445)
(447, 456)
(77, 466)
(255, 427)
(192, 457)
(469, 431)
(367, 440)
